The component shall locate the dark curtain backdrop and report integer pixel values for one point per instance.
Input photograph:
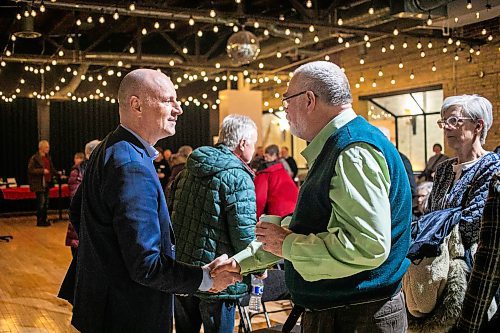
(193, 129)
(18, 137)
(73, 124)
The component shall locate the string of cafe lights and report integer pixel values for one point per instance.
(249, 80)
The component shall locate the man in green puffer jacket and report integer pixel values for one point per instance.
(214, 212)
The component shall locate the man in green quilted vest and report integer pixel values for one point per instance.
(214, 212)
(346, 243)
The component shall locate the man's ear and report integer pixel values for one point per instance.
(311, 101)
(135, 103)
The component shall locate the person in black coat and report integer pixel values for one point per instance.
(126, 272)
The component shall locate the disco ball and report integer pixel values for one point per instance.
(242, 47)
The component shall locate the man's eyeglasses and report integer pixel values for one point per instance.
(284, 100)
(452, 121)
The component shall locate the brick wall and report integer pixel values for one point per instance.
(456, 77)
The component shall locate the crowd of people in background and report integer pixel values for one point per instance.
(344, 239)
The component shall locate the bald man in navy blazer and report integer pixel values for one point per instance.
(126, 271)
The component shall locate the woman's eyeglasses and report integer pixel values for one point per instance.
(452, 121)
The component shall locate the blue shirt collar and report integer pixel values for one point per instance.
(150, 150)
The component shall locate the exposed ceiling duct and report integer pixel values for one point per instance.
(27, 29)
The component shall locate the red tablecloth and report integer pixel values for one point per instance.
(22, 193)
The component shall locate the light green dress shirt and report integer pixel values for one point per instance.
(358, 235)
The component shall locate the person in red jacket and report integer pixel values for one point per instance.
(275, 191)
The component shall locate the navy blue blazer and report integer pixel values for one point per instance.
(126, 270)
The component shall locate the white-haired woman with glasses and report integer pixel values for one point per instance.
(465, 120)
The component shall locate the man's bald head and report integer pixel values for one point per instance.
(140, 83)
(148, 104)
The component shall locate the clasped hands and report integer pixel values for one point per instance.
(226, 271)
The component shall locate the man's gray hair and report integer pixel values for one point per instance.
(90, 146)
(235, 128)
(326, 80)
(43, 143)
(473, 106)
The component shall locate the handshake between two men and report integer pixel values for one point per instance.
(226, 271)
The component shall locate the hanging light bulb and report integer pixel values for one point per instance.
(184, 50)
(309, 4)
(78, 22)
(212, 13)
(347, 44)
(490, 38)
(457, 43)
(419, 45)
(357, 85)
(340, 40)
(116, 16)
(156, 25)
(172, 25)
(199, 33)
(450, 41)
(478, 52)
(374, 83)
(327, 58)
(256, 25)
(311, 28)
(278, 54)
(266, 32)
(18, 16)
(456, 57)
(393, 81)
(445, 49)
(316, 39)
(366, 38)
(361, 61)
(405, 44)
(412, 76)
(429, 19)
(380, 73)
(433, 68)
(400, 65)
(361, 78)
(392, 46)
(144, 31)
(235, 28)
(368, 44)
(42, 7)
(395, 32)
(216, 29)
(340, 21)
(469, 4)
(297, 40)
(422, 54)
(132, 6)
(131, 49)
(429, 45)
(191, 21)
(383, 49)
(89, 19)
(102, 19)
(371, 10)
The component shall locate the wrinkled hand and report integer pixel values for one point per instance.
(224, 278)
(229, 265)
(272, 237)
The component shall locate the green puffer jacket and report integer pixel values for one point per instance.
(213, 210)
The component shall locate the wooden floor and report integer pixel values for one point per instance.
(32, 266)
